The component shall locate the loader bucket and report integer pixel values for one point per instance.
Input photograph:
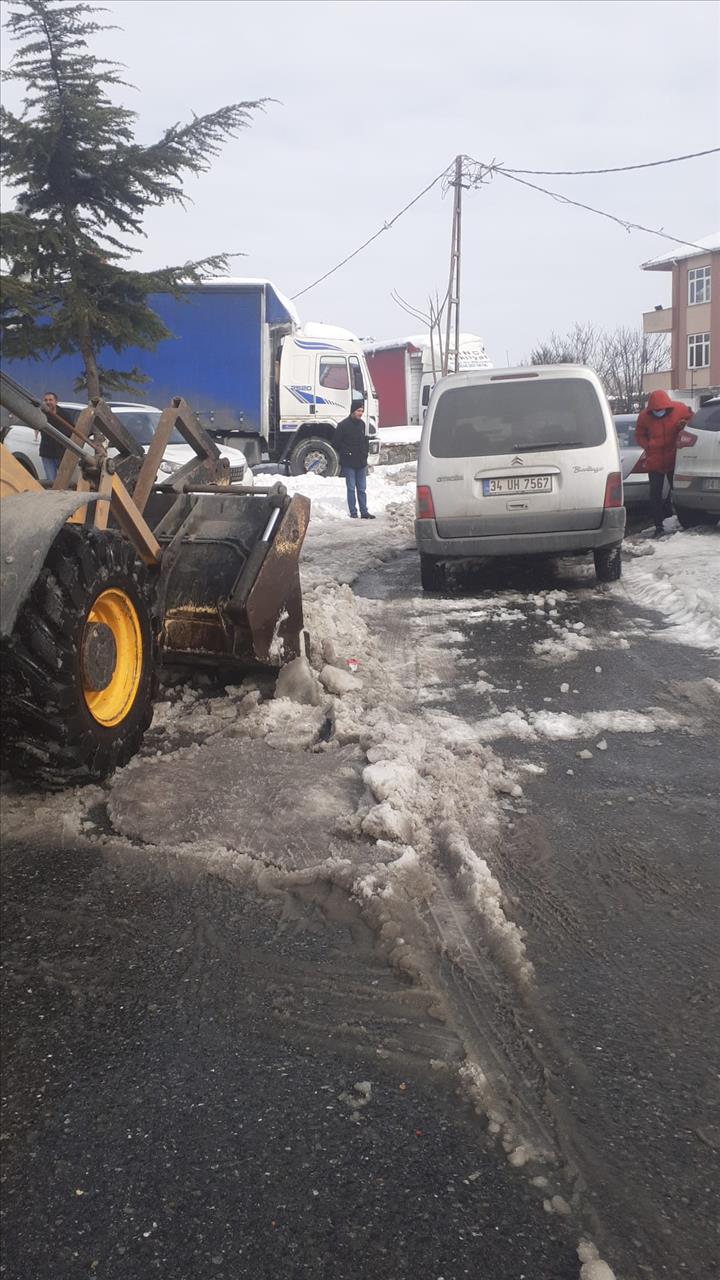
(229, 590)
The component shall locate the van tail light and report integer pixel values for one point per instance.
(425, 508)
(613, 490)
(640, 467)
(686, 439)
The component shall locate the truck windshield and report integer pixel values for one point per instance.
(141, 424)
(489, 419)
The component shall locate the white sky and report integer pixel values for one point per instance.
(375, 98)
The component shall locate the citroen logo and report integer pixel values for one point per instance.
(517, 462)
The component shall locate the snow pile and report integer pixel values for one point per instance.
(567, 643)
(682, 581)
(532, 726)
(592, 1265)
(558, 724)
(408, 434)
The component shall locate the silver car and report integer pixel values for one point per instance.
(636, 485)
(140, 420)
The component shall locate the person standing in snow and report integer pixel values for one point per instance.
(657, 429)
(352, 445)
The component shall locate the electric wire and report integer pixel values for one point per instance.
(623, 168)
(602, 213)
(513, 174)
(385, 227)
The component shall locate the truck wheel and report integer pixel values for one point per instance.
(690, 518)
(316, 456)
(432, 573)
(608, 563)
(80, 669)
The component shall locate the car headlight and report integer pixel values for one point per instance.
(168, 468)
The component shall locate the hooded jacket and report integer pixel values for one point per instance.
(658, 436)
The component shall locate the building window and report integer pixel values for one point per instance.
(698, 350)
(698, 285)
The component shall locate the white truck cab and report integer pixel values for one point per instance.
(321, 372)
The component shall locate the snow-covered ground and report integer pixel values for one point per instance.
(679, 576)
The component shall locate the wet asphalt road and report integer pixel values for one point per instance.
(614, 873)
(175, 1053)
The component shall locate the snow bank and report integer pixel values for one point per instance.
(681, 580)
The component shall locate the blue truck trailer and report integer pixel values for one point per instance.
(240, 357)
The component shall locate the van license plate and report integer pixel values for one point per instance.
(504, 485)
(711, 484)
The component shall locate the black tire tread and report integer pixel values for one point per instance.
(49, 738)
(432, 573)
(692, 518)
(608, 564)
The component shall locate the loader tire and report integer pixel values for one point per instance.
(80, 669)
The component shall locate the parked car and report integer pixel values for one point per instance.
(696, 487)
(636, 485)
(519, 462)
(140, 420)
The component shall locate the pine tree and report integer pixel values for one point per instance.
(83, 184)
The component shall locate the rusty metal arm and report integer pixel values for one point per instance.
(179, 416)
(132, 523)
(192, 431)
(154, 456)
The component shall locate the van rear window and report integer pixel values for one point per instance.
(516, 417)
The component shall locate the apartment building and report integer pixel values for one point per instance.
(692, 320)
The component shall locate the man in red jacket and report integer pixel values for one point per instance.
(658, 426)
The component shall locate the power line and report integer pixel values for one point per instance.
(385, 227)
(623, 168)
(602, 213)
(488, 170)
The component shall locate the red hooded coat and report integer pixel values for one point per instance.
(658, 436)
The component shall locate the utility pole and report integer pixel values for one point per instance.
(453, 297)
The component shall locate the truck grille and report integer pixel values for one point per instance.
(236, 474)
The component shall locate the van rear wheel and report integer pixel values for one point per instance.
(608, 563)
(432, 573)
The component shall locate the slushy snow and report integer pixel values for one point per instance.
(681, 580)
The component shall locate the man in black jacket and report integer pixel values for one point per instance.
(352, 445)
(51, 451)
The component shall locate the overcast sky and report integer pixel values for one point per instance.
(374, 99)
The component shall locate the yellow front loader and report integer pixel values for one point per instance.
(107, 575)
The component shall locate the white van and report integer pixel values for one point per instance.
(519, 462)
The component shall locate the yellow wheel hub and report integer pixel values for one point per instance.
(112, 654)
